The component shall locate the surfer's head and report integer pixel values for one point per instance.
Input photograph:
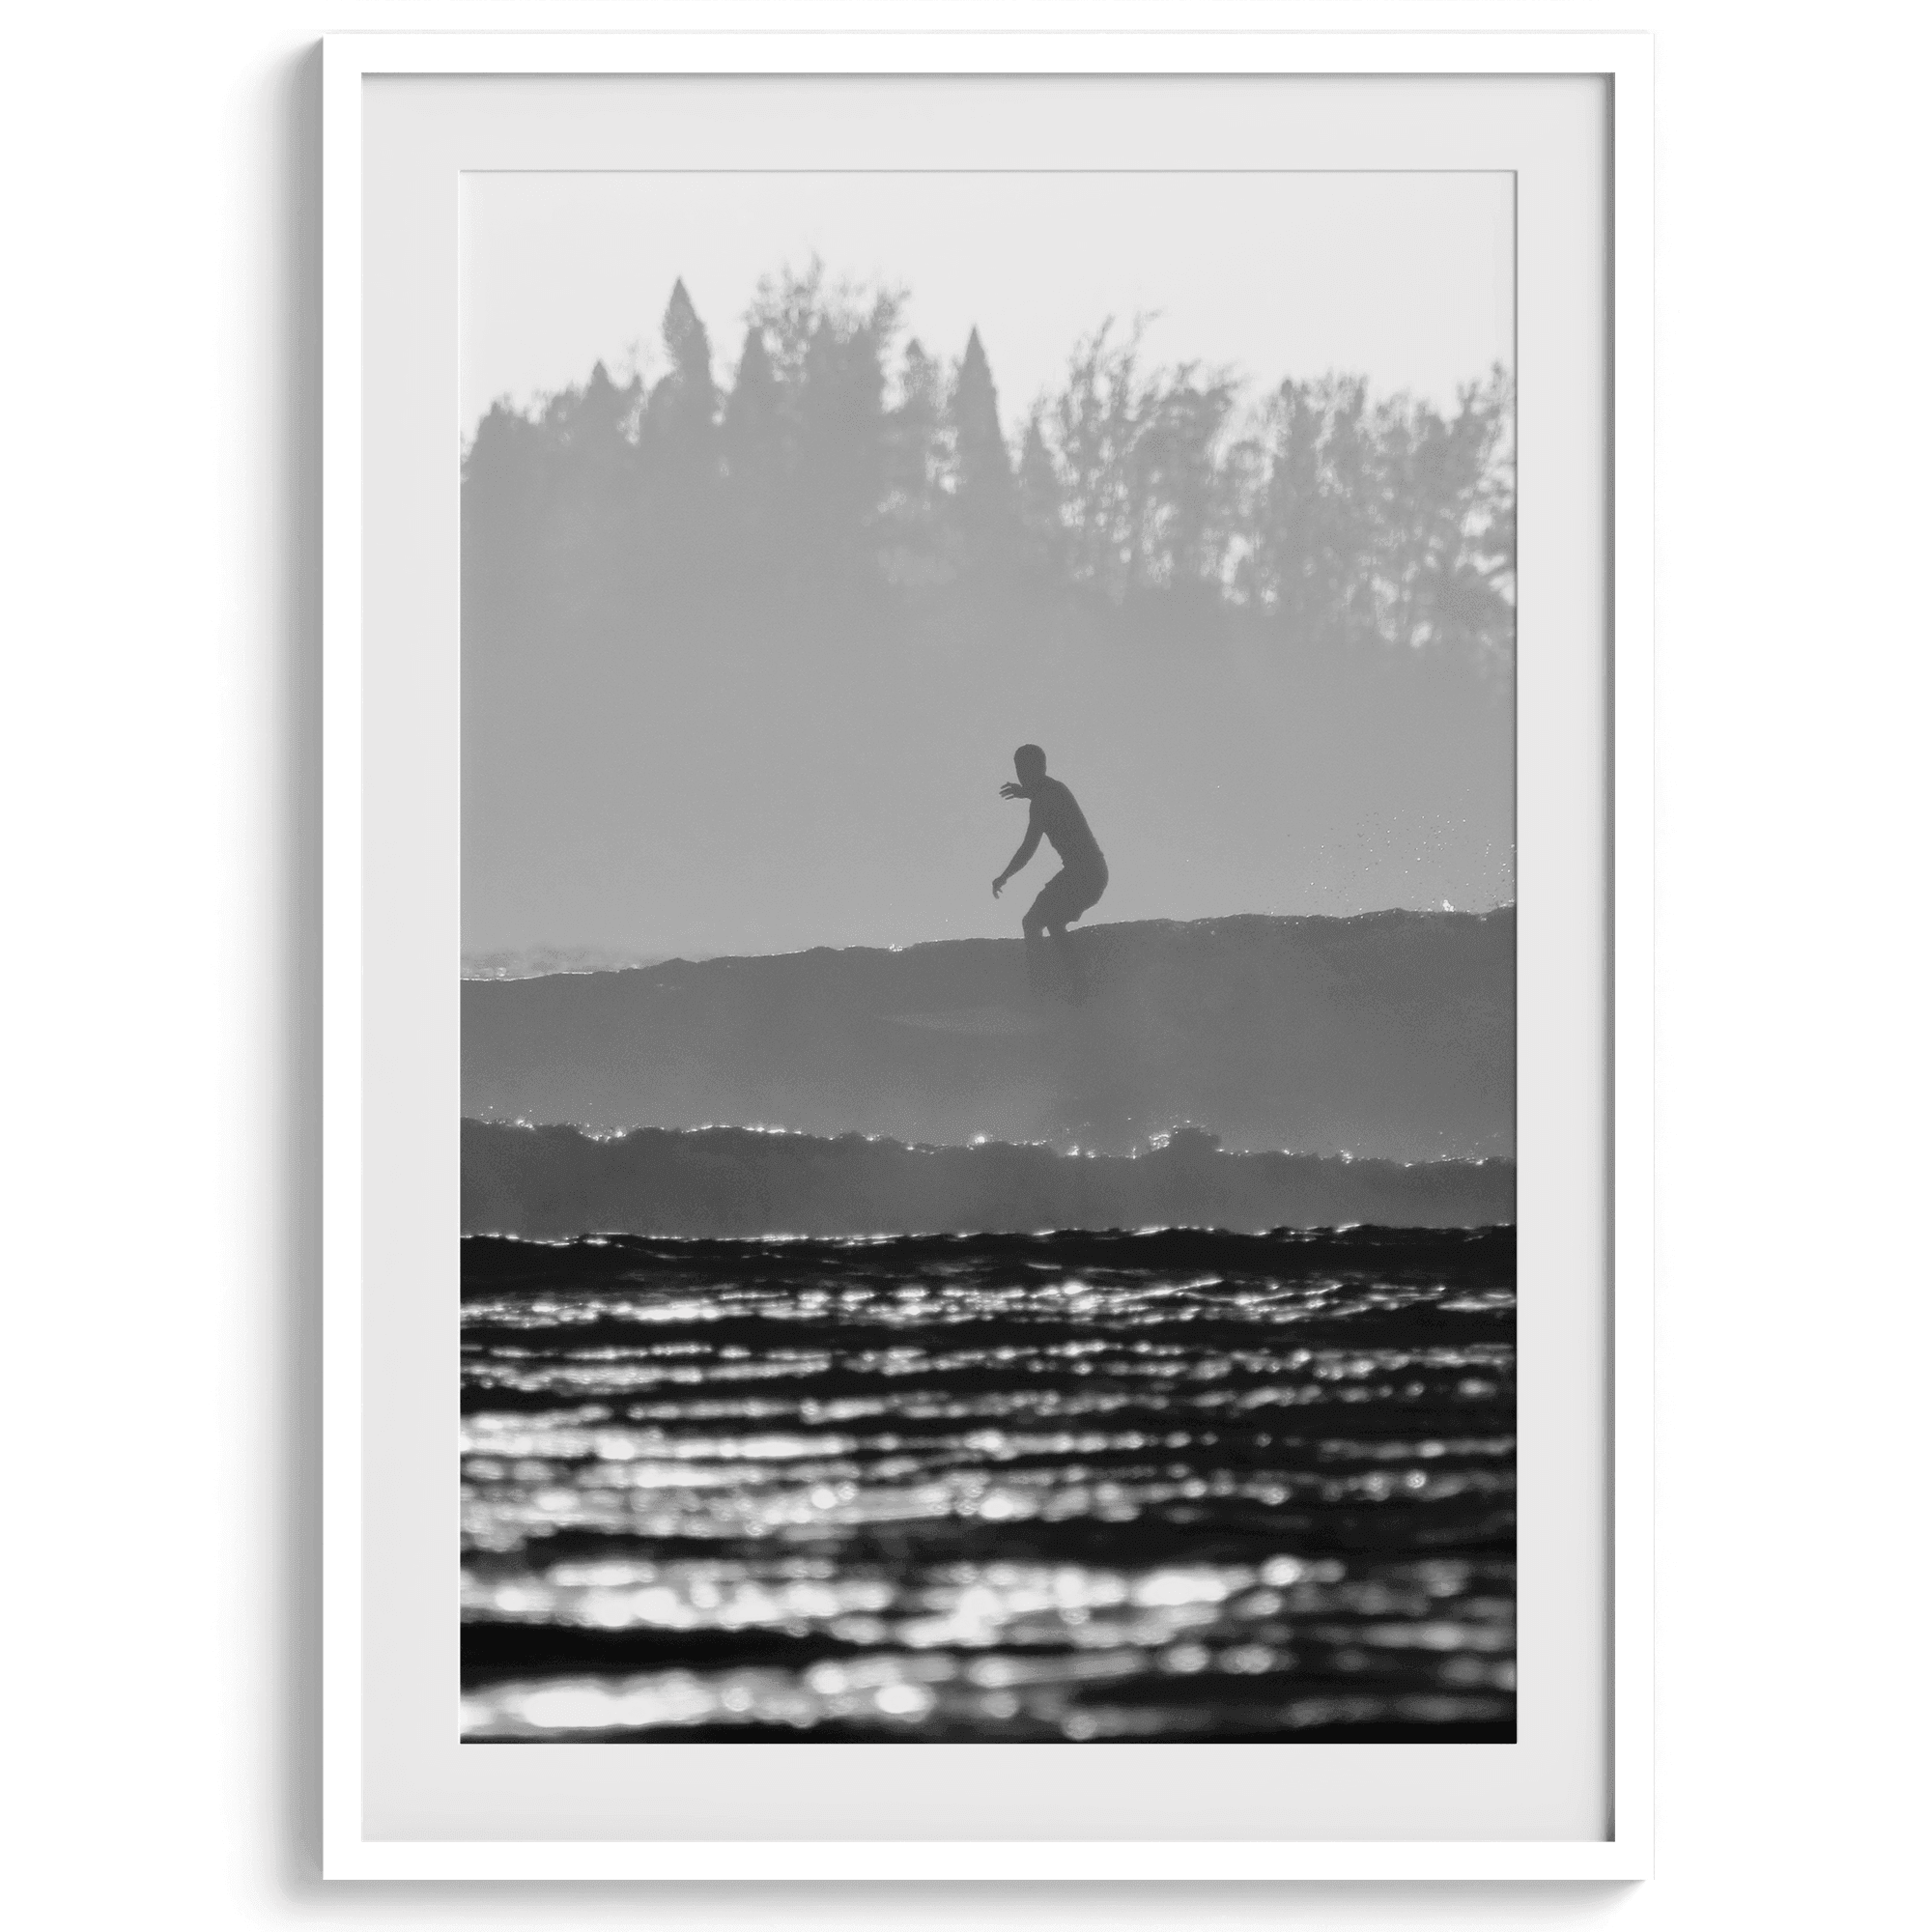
(1030, 762)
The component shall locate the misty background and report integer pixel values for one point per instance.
(757, 606)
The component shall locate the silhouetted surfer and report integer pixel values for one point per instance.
(1081, 877)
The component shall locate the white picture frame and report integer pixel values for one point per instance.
(357, 1036)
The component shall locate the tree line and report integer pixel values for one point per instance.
(841, 455)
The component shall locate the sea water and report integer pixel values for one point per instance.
(1171, 1485)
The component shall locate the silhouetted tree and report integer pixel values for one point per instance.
(915, 432)
(684, 404)
(1480, 596)
(1328, 518)
(680, 459)
(1311, 522)
(786, 310)
(1043, 534)
(842, 463)
(828, 349)
(505, 508)
(754, 439)
(1185, 487)
(590, 477)
(982, 478)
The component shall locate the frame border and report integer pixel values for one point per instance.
(1626, 59)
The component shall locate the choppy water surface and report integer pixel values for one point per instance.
(1058, 1488)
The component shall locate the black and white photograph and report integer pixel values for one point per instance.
(989, 1001)
(931, 877)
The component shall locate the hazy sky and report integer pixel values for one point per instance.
(1408, 278)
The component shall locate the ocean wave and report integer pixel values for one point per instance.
(547, 1181)
(1390, 1034)
(540, 962)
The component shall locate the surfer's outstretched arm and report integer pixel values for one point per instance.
(1029, 845)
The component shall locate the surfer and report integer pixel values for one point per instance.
(1075, 889)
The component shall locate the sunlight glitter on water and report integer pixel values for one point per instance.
(995, 1495)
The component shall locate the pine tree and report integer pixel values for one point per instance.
(842, 476)
(505, 497)
(684, 405)
(754, 441)
(983, 479)
(592, 464)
